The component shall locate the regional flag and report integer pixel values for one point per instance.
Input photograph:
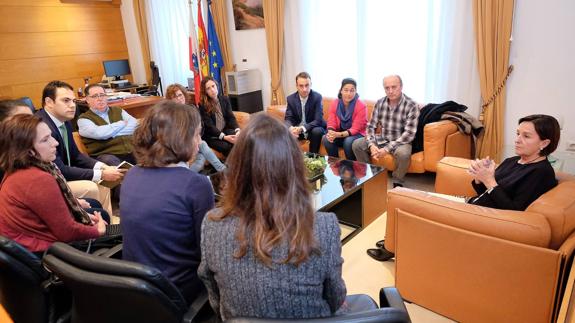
(202, 43)
(193, 46)
(216, 60)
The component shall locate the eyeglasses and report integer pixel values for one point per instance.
(98, 96)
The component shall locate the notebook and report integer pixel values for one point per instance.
(111, 184)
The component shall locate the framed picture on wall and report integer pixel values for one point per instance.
(248, 14)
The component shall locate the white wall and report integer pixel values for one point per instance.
(250, 45)
(543, 53)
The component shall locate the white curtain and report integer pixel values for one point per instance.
(428, 42)
(168, 22)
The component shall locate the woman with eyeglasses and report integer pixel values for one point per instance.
(178, 93)
(347, 120)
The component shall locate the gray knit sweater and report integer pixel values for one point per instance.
(246, 287)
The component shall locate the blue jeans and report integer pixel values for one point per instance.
(206, 153)
(95, 205)
(333, 147)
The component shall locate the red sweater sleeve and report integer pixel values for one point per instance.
(45, 199)
(333, 120)
(359, 119)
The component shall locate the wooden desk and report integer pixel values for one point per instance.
(137, 106)
(133, 88)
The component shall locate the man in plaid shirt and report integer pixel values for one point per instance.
(397, 114)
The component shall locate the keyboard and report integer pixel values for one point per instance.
(113, 230)
(124, 85)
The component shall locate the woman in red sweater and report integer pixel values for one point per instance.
(37, 205)
(347, 120)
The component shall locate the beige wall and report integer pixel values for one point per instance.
(44, 40)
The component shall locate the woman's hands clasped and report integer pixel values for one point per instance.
(483, 171)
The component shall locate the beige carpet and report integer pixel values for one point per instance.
(363, 275)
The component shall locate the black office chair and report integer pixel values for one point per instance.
(26, 291)
(392, 310)
(113, 290)
(28, 102)
(156, 87)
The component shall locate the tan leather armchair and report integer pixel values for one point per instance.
(440, 139)
(477, 264)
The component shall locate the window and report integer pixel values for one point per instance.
(429, 43)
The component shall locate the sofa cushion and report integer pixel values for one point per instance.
(416, 164)
(452, 177)
(558, 207)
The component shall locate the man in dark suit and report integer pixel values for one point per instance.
(304, 113)
(58, 109)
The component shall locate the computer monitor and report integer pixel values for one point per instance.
(117, 68)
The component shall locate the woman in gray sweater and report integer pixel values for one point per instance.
(265, 253)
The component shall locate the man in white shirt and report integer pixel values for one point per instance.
(106, 131)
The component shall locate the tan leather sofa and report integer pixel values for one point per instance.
(439, 139)
(477, 264)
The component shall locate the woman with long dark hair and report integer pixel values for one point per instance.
(37, 205)
(266, 239)
(220, 124)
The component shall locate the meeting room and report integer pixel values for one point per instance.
(287, 160)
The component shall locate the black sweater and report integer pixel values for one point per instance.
(518, 185)
(209, 120)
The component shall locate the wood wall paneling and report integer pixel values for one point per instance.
(44, 40)
(24, 76)
(45, 19)
(52, 3)
(19, 46)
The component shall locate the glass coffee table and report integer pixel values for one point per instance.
(356, 192)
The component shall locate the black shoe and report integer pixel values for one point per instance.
(397, 185)
(380, 244)
(380, 254)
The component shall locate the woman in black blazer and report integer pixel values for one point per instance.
(220, 126)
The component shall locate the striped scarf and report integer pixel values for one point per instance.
(78, 213)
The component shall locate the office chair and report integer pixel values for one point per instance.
(28, 102)
(156, 82)
(113, 290)
(26, 291)
(392, 310)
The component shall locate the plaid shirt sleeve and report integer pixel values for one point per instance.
(410, 127)
(372, 124)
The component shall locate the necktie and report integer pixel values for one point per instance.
(64, 133)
